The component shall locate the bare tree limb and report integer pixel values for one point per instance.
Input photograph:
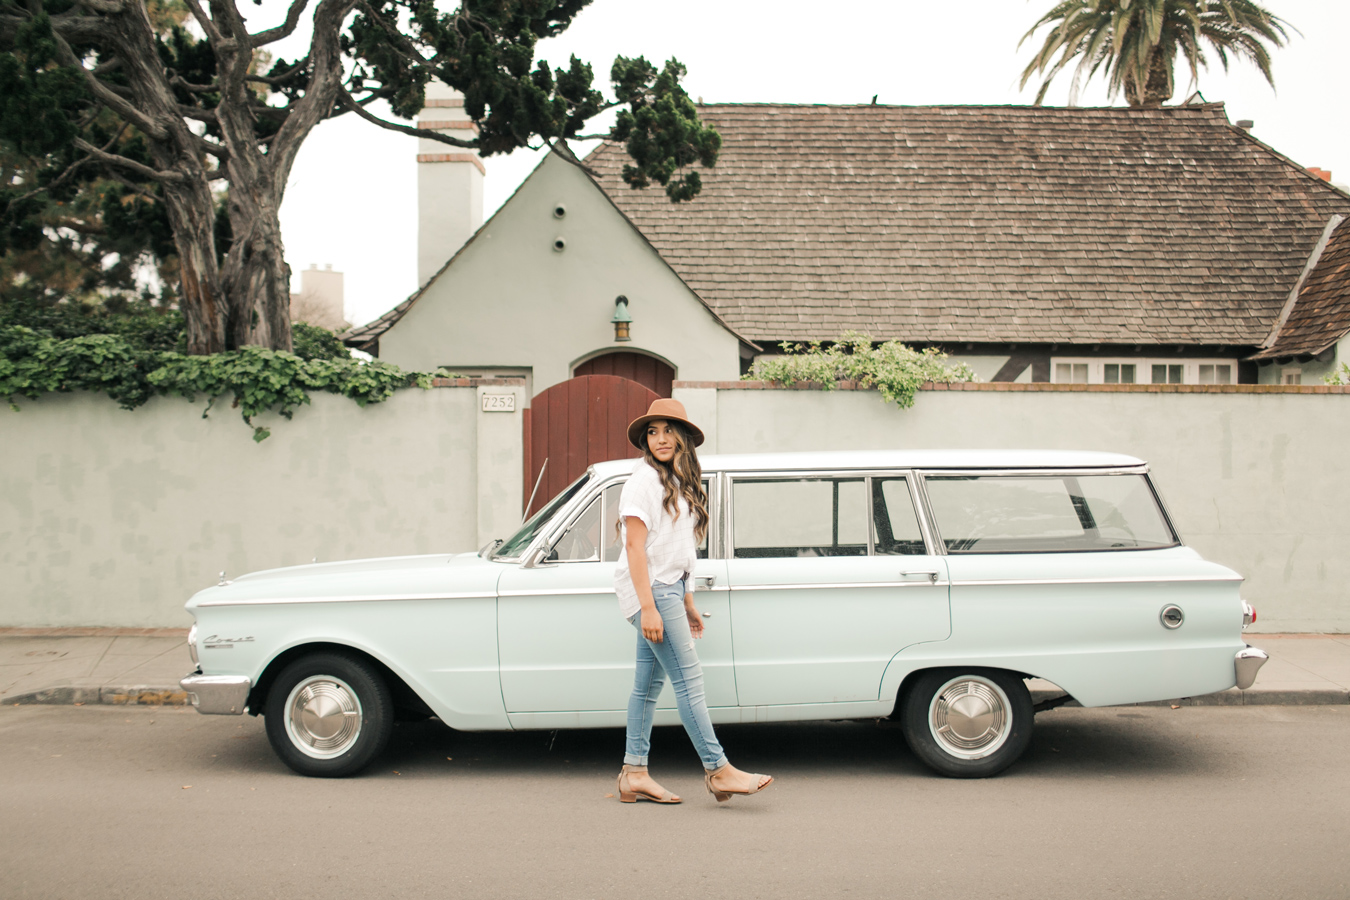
(283, 77)
(208, 24)
(107, 7)
(349, 102)
(180, 81)
(115, 159)
(284, 30)
(108, 97)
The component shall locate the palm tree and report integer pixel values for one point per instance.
(1138, 42)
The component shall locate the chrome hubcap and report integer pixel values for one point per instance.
(969, 717)
(323, 716)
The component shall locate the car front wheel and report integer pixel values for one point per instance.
(328, 715)
(967, 723)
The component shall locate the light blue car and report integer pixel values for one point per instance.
(927, 585)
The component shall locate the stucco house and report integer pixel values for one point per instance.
(1036, 244)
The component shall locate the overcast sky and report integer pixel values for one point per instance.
(352, 197)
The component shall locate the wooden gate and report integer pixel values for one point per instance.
(576, 423)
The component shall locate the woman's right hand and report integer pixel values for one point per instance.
(653, 629)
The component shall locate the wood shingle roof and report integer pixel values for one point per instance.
(1320, 315)
(988, 224)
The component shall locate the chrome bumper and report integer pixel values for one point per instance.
(217, 695)
(1246, 664)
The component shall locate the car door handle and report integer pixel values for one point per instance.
(930, 574)
(704, 582)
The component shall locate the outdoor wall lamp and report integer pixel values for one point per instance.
(621, 319)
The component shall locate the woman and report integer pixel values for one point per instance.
(663, 516)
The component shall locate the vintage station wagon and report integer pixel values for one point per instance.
(927, 585)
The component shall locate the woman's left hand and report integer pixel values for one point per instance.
(695, 619)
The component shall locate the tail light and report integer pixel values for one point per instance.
(1248, 614)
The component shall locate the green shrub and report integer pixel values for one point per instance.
(891, 367)
(135, 356)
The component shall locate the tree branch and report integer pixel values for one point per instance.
(180, 81)
(349, 102)
(396, 37)
(108, 97)
(281, 31)
(283, 77)
(114, 159)
(208, 24)
(107, 7)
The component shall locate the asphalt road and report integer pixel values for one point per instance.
(108, 802)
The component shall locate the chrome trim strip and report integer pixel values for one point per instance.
(1123, 579)
(1041, 470)
(558, 592)
(810, 586)
(351, 598)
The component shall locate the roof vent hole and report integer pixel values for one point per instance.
(559, 211)
(559, 244)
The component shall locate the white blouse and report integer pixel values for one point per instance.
(671, 551)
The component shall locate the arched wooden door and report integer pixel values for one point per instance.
(576, 423)
(645, 370)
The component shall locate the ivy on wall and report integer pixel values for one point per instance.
(892, 368)
(128, 358)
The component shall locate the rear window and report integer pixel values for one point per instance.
(1046, 513)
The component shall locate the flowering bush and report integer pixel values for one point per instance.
(891, 367)
(1338, 376)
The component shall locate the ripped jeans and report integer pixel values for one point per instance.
(674, 656)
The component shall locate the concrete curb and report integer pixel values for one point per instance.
(128, 695)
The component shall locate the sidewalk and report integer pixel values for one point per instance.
(143, 665)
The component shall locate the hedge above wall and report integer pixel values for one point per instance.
(126, 358)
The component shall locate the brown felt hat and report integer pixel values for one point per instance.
(670, 410)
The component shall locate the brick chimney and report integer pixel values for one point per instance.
(449, 182)
(1323, 174)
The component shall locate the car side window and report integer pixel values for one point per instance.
(581, 542)
(1049, 513)
(896, 522)
(799, 517)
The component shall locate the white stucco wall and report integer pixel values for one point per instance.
(109, 517)
(1256, 481)
(510, 299)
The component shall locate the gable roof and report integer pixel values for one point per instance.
(988, 224)
(366, 337)
(1319, 313)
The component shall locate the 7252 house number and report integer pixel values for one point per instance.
(499, 403)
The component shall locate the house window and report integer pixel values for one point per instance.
(1142, 371)
(1216, 374)
(1118, 373)
(1291, 376)
(1071, 373)
(1168, 373)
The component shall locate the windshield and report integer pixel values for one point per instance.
(516, 544)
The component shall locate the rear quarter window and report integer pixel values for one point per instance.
(1046, 513)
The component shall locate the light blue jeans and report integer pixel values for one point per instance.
(674, 656)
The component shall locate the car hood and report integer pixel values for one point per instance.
(410, 577)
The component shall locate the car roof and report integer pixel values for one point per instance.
(899, 459)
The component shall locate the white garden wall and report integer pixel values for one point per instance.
(1255, 477)
(109, 517)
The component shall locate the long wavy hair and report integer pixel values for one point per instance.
(681, 476)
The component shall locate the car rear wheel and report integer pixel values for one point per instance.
(328, 715)
(967, 723)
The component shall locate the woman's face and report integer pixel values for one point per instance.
(661, 440)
